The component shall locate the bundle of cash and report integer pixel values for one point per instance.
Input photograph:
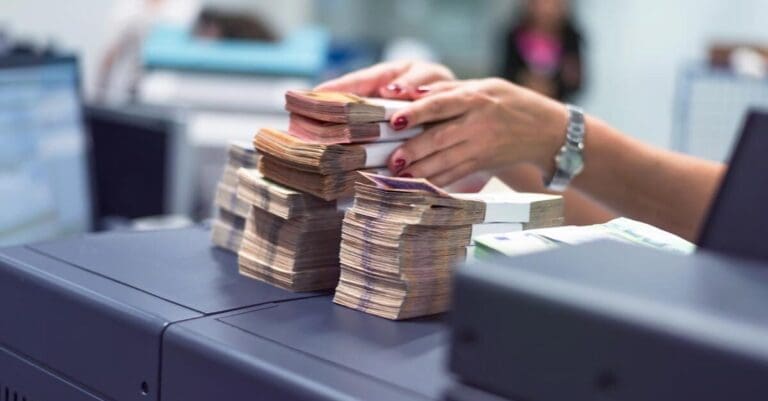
(226, 199)
(277, 199)
(227, 227)
(400, 241)
(321, 158)
(227, 230)
(531, 210)
(291, 239)
(334, 133)
(327, 187)
(337, 107)
(402, 238)
(241, 154)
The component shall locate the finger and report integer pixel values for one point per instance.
(433, 139)
(406, 85)
(441, 162)
(435, 88)
(366, 82)
(454, 174)
(441, 106)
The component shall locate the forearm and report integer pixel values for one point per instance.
(663, 188)
(579, 208)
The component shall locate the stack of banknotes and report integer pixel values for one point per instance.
(293, 224)
(402, 238)
(229, 222)
(331, 137)
(291, 238)
(391, 250)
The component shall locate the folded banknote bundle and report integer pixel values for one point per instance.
(337, 133)
(229, 221)
(322, 158)
(291, 239)
(339, 107)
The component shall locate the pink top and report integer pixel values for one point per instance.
(541, 52)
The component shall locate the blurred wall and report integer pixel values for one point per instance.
(637, 48)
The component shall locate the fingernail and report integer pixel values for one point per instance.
(395, 88)
(422, 89)
(400, 123)
(406, 175)
(399, 165)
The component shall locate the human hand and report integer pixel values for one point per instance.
(477, 125)
(395, 79)
(538, 83)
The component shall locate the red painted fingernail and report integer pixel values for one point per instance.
(395, 88)
(406, 175)
(422, 89)
(400, 123)
(399, 165)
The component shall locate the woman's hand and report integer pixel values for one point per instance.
(395, 80)
(478, 125)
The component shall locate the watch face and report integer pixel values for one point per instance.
(570, 161)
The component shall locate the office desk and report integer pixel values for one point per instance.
(163, 315)
(307, 349)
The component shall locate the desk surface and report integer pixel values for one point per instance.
(179, 266)
(168, 309)
(336, 351)
(101, 300)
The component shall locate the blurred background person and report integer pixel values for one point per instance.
(543, 53)
(543, 49)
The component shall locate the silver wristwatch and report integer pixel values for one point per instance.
(569, 161)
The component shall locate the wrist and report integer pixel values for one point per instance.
(569, 161)
(552, 137)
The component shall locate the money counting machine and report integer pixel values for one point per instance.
(164, 316)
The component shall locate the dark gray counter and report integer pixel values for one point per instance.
(89, 312)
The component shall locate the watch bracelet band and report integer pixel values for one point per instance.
(559, 181)
(574, 140)
(576, 129)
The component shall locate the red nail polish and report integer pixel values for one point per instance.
(406, 175)
(400, 123)
(395, 88)
(422, 89)
(399, 165)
